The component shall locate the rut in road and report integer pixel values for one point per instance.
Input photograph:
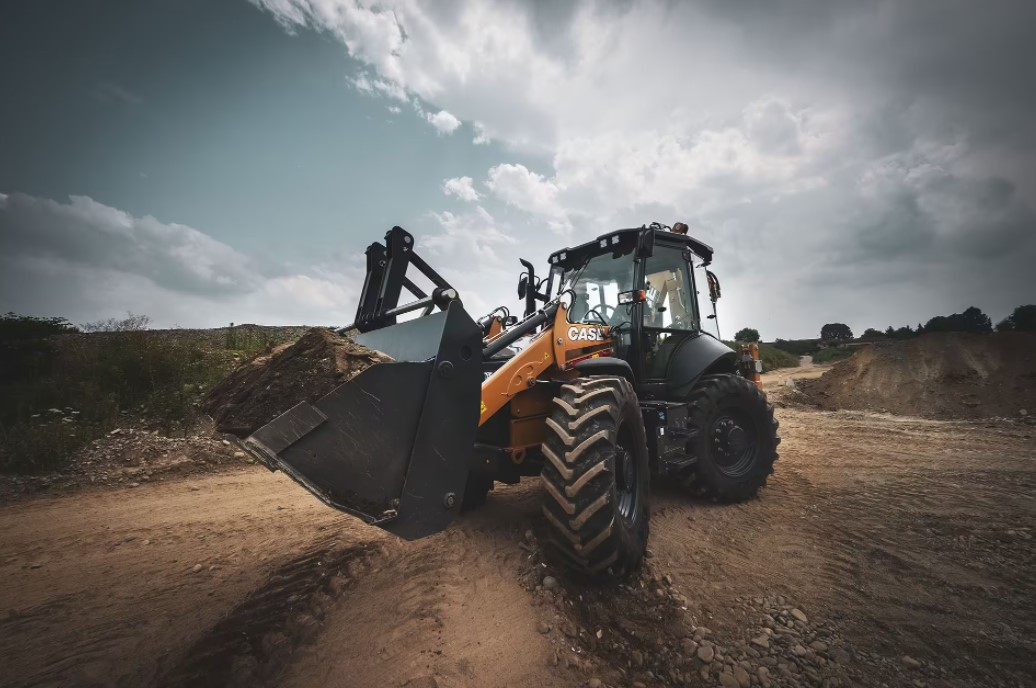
(252, 644)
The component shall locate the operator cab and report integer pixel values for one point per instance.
(639, 282)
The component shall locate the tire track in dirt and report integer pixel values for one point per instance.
(252, 644)
(106, 585)
(900, 499)
(449, 606)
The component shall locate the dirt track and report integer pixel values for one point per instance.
(896, 536)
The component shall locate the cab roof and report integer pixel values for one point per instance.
(624, 239)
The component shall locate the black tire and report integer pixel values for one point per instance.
(735, 438)
(595, 470)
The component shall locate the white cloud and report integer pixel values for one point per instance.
(477, 254)
(374, 86)
(461, 187)
(518, 186)
(89, 261)
(171, 255)
(795, 140)
(444, 122)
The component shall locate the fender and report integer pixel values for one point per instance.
(694, 357)
(605, 365)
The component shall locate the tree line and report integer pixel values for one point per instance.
(1022, 319)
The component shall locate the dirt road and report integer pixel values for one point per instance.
(908, 544)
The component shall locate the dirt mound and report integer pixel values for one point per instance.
(262, 389)
(945, 375)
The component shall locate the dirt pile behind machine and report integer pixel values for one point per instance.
(608, 379)
(305, 371)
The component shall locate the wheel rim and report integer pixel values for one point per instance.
(627, 479)
(735, 442)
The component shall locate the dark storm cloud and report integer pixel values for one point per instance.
(973, 58)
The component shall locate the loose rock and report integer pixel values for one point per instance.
(727, 680)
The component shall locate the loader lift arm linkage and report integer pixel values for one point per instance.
(386, 277)
(378, 307)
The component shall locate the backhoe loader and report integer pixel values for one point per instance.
(607, 380)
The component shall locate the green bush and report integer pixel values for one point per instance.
(59, 392)
(832, 354)
(798, 347)
(773, 358)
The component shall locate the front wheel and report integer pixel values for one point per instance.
(595, 472)
(735, 438)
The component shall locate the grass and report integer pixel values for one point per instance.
(59, 389)
(774, 358)
(85, 385)
(798, 347)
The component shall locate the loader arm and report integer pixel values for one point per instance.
(560, 346)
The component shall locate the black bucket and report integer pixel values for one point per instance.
(393, 445)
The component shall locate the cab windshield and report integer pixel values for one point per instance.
(596, 287)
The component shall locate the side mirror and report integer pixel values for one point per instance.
(523, 285)
(634, 296)
(714, 290)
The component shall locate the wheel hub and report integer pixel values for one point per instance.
(733, 443)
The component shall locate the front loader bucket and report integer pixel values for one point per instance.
(392, 445)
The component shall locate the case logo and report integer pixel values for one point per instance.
(586, 334)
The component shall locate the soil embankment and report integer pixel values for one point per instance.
(951, 375)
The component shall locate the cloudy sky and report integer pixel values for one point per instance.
(206, 162)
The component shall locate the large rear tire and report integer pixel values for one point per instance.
(595, 471)
(735, 438)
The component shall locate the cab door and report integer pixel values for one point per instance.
(670, 308)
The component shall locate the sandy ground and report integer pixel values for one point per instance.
(896, 536)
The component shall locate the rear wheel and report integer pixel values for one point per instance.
(735, 440)
(595, 471)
